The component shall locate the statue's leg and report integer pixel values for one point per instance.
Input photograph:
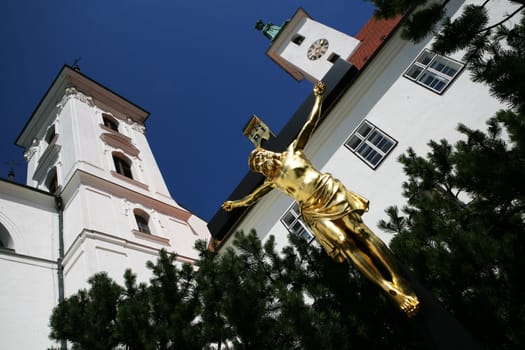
(374, 245)
(336, 233)
(383, 261)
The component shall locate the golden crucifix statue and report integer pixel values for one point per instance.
(332, 212)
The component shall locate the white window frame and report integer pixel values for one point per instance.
(433, 71)
(370, 144)
(294, 223)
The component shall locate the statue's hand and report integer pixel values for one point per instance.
(228, 205)
(319, 88)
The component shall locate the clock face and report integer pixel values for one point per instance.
(317, 49)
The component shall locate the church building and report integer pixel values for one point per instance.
(383, 95)
(95, 200)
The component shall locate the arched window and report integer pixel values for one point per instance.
(110, 122)
(142, 220)
(122, 165)
(52, 180)
(50, 134)
(5, 239)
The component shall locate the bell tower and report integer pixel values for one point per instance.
(304, 48)
(87, 145)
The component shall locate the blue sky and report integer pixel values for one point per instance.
(199, 67)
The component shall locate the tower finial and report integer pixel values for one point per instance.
(269, 30)
(75, 65)
(11, 174)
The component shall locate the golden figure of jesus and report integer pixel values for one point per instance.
(332, 212)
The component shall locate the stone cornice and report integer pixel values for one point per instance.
(136, 195)
(151, 237)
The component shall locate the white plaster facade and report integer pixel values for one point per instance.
(409, 113)
(88, 224)
(29, 287)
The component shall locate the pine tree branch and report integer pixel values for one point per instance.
(448, 193)
(500, 22)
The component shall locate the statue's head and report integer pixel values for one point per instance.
(263, 161)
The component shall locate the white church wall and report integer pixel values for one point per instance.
(33, 227)
(74, 220)
(101, 212)
(151, 174)
(96, 252)
(76, 271)
(66, 138)
(183, 236)
(29, 292)
(106, 237)
(29, 287)
(199, 228)
(87, 132)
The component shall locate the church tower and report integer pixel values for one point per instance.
(87, 145)
(306, 49)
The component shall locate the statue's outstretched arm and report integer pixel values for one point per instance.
(313, 118)
(249, 199)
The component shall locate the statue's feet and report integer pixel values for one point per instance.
(408, 303)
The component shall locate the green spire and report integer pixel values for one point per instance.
(269, 30)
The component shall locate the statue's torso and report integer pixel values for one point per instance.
(297, 177)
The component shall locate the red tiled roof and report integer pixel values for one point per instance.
(372, 36)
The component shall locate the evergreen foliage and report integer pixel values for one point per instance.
(250, 297)
(462, 231)
(87, 319)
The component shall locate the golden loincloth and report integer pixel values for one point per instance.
(330, 202)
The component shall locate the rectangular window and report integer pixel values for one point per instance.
(294, 223)
(109, 122)
(433, 71)
(142, 223)
(333, 58)
(298, 39)
(122, 167)
(370, 143)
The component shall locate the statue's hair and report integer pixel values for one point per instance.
(251, 158)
